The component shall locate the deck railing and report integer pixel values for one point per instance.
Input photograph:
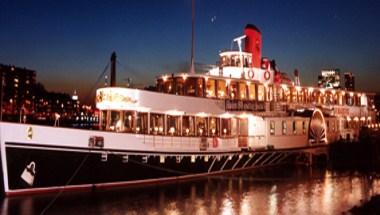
(159, 142)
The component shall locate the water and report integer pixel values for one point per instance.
(282, 190)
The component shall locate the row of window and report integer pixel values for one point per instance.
(232, 89)
(162, 124)
(299, 127)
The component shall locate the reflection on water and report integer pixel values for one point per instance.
(275, 191)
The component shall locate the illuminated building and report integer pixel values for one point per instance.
(329, 79)
(17, 88)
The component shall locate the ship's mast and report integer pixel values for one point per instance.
(192, 69)
(113, 69)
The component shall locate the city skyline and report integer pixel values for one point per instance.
(69, 43)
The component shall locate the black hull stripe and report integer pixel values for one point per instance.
(124, 184)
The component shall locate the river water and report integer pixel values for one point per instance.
(280, 190)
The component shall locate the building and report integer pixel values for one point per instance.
(349, 81)
(25, 100)
(329, 79)
(17, 90)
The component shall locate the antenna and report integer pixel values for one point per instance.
(192, 69)
(238, 41)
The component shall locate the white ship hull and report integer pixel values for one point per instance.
(64, 160)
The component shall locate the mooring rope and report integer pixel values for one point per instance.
(67, 183)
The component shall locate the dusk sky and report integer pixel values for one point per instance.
(69, 43)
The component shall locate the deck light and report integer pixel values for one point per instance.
(192, 159)
(206, 158)
(201, 114)
(226, 115)
(162, 159)
(174, 112)
(164, 78)
(213, 131)
(172, 130)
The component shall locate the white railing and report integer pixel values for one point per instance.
(172, 143)
(181, 143)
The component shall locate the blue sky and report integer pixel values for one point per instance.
(69, 43)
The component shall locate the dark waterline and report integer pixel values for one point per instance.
(281, 190)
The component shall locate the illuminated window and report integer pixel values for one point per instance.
(142, 123)
(129, 118)
(260, 92)
(190, 86)
(115, 123)
(284, 127)
(222, 89)
(214, 126)
(199, 91)
(173, 125)
(294, 127)
(226, 127)
(188, 125)
(269, 93)
(252, 92)
(303, 127)
(242, 90)
(168, 85)
(201, 126)
(179, 85)
(157, 123)
(272, 127)
(210, 88)
(233, 88)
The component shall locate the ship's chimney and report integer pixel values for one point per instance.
(113, 69)
(253, 44)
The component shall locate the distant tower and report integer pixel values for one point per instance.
(113, 69)
(349, 81)
(297, 78)
(253, 44)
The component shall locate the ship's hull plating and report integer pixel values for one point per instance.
(57, 168)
